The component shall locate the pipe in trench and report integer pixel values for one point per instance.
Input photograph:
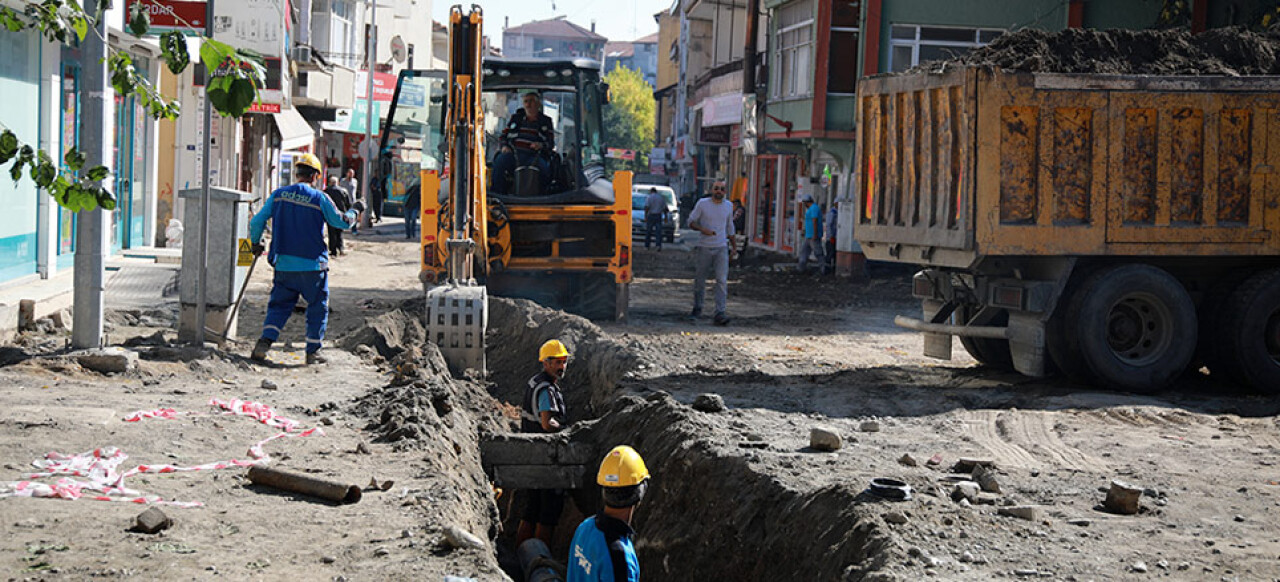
(296, 483)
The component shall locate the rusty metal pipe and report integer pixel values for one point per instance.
(305, 484)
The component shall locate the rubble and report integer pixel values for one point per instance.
(151, 521)
(112, 360)
(1122, 498)
(459, 538)
(709, 403)
(824, 439)
(1027, 512)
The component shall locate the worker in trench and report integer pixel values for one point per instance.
(298, 215)
(602, 549)
(543, 411)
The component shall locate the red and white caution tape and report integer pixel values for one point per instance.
(100, 467)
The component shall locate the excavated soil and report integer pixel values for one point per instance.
(1221, 51)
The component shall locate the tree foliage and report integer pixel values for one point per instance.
(233, 86)
(629, 120)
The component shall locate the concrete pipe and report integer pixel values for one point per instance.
(305, 484)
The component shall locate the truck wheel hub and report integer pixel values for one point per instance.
(1138, 331)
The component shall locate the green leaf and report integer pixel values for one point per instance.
(8, 146)
(73, 159)
(96, 173)
(173, 50)
(11, 21)
(43, 171)
(213, 54)
(104, 199)
(139, 19)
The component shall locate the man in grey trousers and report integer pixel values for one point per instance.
(713, 218)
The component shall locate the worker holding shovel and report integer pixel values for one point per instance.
(298, 215)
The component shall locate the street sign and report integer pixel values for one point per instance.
(185, 16)
(260, 107)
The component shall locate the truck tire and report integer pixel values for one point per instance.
(993, 353)
(1136, 327)
(1060, 337)
(599, 298)
(1247, 338)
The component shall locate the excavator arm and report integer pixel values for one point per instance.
(457, 311)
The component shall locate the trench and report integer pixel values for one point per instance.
(712, 510)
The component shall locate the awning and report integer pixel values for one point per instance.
(295, 132)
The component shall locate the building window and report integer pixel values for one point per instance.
(911, 45)
(842, 72)
(342, 47)
(792, 73)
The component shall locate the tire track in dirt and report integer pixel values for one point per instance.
(1037, 429)
(983, 427)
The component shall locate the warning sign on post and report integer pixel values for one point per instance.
(244, 257)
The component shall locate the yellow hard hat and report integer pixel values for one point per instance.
(552, 349)
(310, 161)
(622, 467)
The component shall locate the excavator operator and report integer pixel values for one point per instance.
(527, 140)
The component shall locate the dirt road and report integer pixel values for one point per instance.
(738, 494)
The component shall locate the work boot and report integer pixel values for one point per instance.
(696, 313)
(721, 319)
(315, 358)
(260, 349)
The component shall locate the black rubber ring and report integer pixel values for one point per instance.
(890, 489)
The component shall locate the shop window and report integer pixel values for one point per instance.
(911, 45)
(792, 71)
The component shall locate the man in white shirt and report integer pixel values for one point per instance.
(713, 218)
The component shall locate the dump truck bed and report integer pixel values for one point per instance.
(977, 162)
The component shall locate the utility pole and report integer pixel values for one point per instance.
(202, 275)
(371, 59)
(92, 226)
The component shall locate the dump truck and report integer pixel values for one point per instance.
(1119, 229)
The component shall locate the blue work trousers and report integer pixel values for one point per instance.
(653, 229)
(286, 286)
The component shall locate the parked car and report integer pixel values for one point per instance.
(640, 196)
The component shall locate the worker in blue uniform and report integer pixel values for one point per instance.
(602, 549)
(298, 215)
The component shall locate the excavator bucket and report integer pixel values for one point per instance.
(457, 316)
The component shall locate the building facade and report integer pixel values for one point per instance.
(554, 38)
(640, 55)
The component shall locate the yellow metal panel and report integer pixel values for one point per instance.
(911, 147)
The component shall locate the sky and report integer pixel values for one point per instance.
(615, 19)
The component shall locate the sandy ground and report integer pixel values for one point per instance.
(801, 351)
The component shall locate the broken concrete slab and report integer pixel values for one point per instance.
(985, 477)
(152, 521)
(112, 360)
(869, 426)
(1027, 512)
(966, 464)
(1122, 498)
(967, 490)
(824, 439)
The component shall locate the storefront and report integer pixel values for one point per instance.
(20, 85)
(774, 201)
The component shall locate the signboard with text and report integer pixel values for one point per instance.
(183, 16)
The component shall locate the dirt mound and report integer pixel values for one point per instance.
(1223, 51)
(424, 409)
(518, 327)
(701, 476)
(391, 333)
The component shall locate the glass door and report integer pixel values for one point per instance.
(123, 183)
(69, 131)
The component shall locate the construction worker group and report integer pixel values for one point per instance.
(602, 548)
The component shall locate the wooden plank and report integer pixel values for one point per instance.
(911, 151)
(539, 476)
(927, 174)
(945, 157)
(892, 175)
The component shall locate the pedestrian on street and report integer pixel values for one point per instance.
(812, 232)
(603, 548)
(298, 215)
(713, 218)
(833, 220)
(655, 215)
(412, 206)
(543, 411)
(352, 186)
(342, 203)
